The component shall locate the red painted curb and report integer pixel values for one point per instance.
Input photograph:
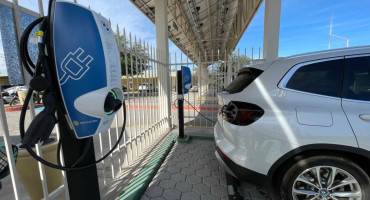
(172, 107)
(19, 108)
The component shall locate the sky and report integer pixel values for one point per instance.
(304, 24)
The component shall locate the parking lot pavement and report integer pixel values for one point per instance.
(191, 172)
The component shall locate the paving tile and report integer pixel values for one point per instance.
(174, 169)
(203, 173)
(169, 163)
(184, 187)
(218, 174)
(204, 161)
(158, 198)
(163, 176)
(167, 184)
(194, 179)
(171, 194)
(144, 197)
(211, 167)
(154, 191)
(211, 181)
(186, 155)
(199, 156)
(178, 159)
(201, 189)
(223, 182)
(209, 197)
(196, 166)
(219, 191)
(181, 150)
(192, 172)
(187, 171)
(194, 151)
(178, 177)
(190, 196)
(183, 164)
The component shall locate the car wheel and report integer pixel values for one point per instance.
(324, 178)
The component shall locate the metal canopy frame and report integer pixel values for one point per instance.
(199, 27)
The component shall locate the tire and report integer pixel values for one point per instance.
(306, 168)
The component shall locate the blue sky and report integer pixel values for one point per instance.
(304, 24)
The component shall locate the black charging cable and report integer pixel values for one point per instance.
(195, 110)
(41, 72)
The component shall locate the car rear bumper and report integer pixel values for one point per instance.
(227, 154)
(242, 173)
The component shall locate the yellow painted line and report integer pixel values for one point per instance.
(207, 98)
(209, 127)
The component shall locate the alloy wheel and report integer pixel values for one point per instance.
(326, 183)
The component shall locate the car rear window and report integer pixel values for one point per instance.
(244, 77)
(322, 78)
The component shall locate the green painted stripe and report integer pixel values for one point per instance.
(138, 187)
(195, 136)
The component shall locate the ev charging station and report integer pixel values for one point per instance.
(184, 84)
(78, 69)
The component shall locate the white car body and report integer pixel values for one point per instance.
(293, 121)
(146, 87)
(15, 89)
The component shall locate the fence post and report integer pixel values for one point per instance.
(161, 24)
(9, 149)
(180, 101)
(229, 70)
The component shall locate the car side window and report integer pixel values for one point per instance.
(356, 83)
(322, 78)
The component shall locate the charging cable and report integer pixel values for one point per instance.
(195, 110)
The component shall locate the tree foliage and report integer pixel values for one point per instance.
(239, 61)
(134, 57)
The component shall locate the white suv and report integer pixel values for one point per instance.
(300, 124)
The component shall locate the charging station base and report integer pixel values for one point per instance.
(185, 139)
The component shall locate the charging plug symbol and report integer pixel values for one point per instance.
(74, 66)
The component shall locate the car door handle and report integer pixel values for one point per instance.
(365, 117)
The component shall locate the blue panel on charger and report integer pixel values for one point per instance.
(186, 79)
(80, 61)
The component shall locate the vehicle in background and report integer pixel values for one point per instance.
(15, 89)
(146, 87)
(300, 125)
(10, 95)
(194, 89)
(6, 97)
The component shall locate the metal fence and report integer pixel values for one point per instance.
(145, 76)
(209, 78)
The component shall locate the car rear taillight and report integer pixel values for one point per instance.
(241, 113)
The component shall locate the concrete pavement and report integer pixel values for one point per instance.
(191, 172)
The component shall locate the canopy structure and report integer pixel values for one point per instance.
(202, 28)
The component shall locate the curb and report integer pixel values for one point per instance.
(141, 182)
(19, 108)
